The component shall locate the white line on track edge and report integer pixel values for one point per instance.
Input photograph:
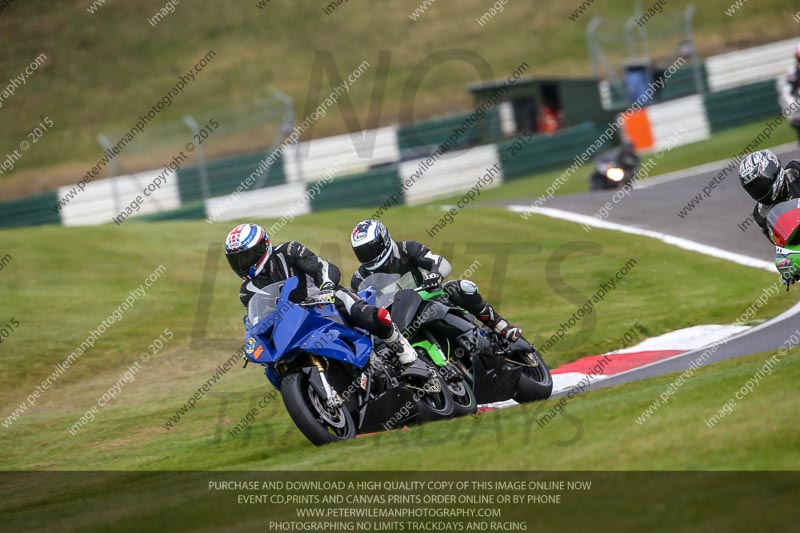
(680, 242)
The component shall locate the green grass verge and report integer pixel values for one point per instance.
(63, 282)
(596, 432)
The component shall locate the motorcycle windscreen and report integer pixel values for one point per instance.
(264, 302)
(384, 287)
(783, 222)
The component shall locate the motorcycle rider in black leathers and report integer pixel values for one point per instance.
(378, 253)
(769, 183)
(253, 258)
(627, 158)
(624, 157)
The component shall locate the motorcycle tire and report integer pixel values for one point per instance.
(306, 408)
(535, 383)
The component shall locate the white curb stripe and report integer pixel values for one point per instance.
(680, 242)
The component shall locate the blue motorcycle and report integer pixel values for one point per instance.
(336, 381)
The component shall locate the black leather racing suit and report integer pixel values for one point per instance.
(786, 188)
(293, 259)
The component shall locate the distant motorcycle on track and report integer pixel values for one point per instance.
(614, 169)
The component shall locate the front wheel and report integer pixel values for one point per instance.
(319, 422)
(535, 380)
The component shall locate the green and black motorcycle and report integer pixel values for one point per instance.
(478, 365)
(783, 223)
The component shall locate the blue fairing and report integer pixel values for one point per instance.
(291, 330)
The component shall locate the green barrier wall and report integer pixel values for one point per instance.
(225, 175)
(30, 211)
(436, 132)
(682, 83)
(740, 105)
(545, 152)
(192, 211)
(369, 189)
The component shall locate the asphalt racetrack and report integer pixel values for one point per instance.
(716, 220)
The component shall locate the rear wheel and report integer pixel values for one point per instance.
(433, 398)
(461, 390)
(318, 421)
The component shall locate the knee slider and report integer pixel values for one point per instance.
(347, 299)
(468, 287)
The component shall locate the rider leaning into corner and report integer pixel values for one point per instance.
(627, 157)
(253, 258)
(378, 253)
(769, 183)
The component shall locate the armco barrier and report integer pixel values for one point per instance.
(545, 152)
(678, 122)
(734, 107)
(120, 198)
(682, 83)
(454, 173)
(668, 124)
(225, 175)
(751, 65)
(287, 200)
(29, 211)
(192, 211)
(415, 137)
(361, 190)
(338, 156)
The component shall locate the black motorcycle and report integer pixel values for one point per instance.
(613, 170)
(467, 353)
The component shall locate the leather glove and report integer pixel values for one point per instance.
(327, 286)
(432, 281)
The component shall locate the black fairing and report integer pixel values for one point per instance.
(405, 307)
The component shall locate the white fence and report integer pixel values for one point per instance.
(450, 175)
(96, 205)
(750, 65)
(312, 160)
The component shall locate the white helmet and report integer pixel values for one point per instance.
(371, 243)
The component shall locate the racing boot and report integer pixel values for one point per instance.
(500, 326)
(413, 367)
(401, 347)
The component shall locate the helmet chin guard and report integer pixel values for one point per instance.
(247, 249)
(371, 243)
(760, 174)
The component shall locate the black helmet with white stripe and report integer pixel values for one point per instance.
(761, 176)
(371, 243)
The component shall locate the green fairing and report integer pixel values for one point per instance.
(428, 295)
(433, 351)
(790, 269)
